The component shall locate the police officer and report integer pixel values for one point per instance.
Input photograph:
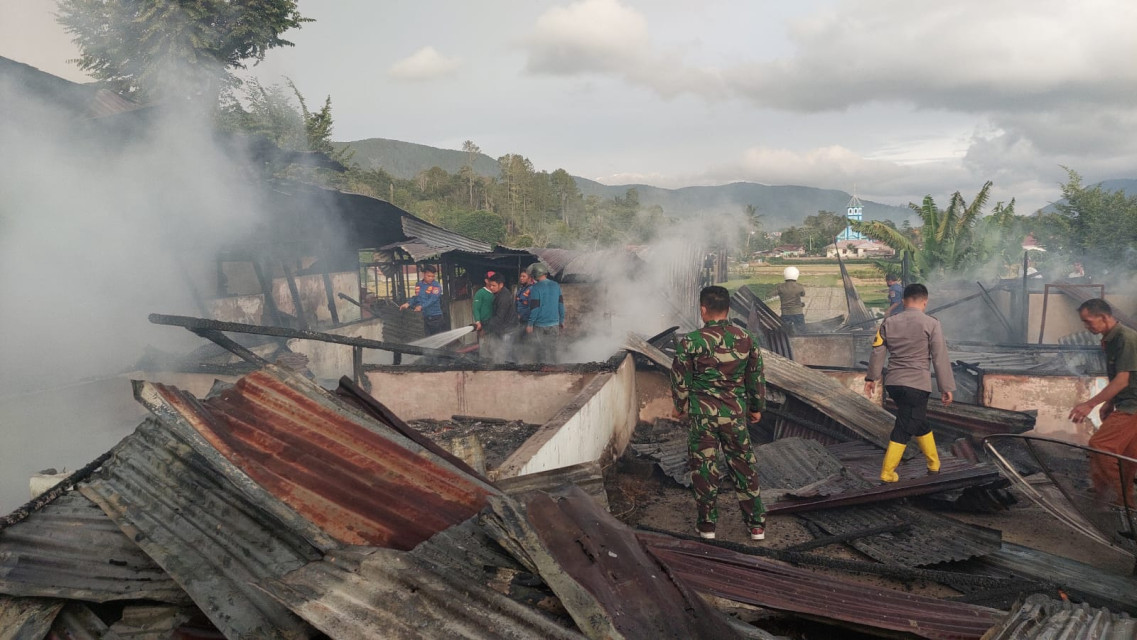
(428, 300)
(716, 380)
(910, 339)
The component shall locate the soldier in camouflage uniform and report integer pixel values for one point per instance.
(716, 380)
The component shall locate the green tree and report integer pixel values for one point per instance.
(481, 225)
(187, 48)
(954, 240)
(1101, 223)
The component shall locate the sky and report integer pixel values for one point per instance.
(891, 99)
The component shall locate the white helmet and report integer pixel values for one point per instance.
(791, 273)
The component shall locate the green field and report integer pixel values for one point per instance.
(761, 279)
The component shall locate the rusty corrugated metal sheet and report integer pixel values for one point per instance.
(1041, 618)
(365, 592)
(929, 539)
(196, 525)
(598, 569)
(326, 460)
(774, 585)
(27, 618)
(70, 549)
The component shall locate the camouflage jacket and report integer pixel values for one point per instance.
(718, 372)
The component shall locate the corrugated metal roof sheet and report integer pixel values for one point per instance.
(70, 549)
(1046, 619)
(201, 530)
(555, 259)
(326, 460)
(362, 592)
(830, 397)
(598, 569)
(418, 251)
(1082, 581)
(27, 618)
(441, 238)
(775, 585)
(929, 539)
(77, 622)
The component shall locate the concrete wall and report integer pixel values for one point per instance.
(1051, 396)
(249, 309)
(313, 298)
(329, 361)
(830, 350)
(596, 424)
(534, 397)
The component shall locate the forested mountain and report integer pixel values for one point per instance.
(780, 206)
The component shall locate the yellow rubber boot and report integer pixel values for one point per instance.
(927, 444)
(891, 461)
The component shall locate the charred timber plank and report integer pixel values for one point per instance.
(195, 324)
(225, 342)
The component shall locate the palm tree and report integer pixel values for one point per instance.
(946, 241)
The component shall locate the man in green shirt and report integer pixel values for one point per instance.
(483, 303)
(1118, 430)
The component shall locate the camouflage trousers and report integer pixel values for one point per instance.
(707, 434)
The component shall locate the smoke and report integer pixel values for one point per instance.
(102, 221)
(652, 290)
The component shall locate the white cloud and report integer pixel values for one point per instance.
(608, 37)
(425, 64)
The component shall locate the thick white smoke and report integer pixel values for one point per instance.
(102, 221)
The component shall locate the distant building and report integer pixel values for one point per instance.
(788, 251)
(859, 249)
(854, 212)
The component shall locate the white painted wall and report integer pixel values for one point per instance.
(533, 397)
(600, 419)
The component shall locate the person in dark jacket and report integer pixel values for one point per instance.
(499, 328)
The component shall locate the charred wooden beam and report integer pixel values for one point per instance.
(205, 324)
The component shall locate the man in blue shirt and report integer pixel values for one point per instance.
(895, 295)
(546, 314)
(428, 300)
